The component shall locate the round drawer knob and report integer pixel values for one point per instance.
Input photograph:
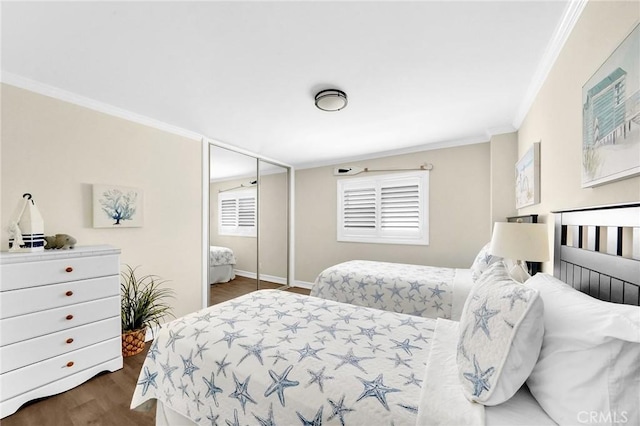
(69, 341)
(70, 364)
(69, 317)
(69, 269)
(69, 293)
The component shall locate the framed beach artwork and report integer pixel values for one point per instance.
(528, 178)
(117, 206)
(611, 116)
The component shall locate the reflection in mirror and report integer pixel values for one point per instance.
(233, 251)
(273, 208)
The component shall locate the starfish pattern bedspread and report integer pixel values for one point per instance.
(277, 358)
(221, 256)
(424, 291)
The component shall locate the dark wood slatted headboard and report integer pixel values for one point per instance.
(597, 251)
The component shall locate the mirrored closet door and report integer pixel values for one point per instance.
(248, 224)
(233, 224)
(273, 221)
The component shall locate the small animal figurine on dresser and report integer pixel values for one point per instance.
(60, 241)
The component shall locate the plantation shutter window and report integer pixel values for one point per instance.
(237, 213)
(228, 215)
(400, 207)
(360, 208)
(247, 211)
(389, 209)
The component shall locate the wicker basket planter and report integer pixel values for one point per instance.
(143, 302)
(133, 342)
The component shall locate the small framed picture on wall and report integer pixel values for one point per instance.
(117, 206)
(528, 178)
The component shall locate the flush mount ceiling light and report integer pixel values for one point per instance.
(331, 100)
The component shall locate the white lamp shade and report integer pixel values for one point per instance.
(520, 241)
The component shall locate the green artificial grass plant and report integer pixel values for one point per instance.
(144, 300)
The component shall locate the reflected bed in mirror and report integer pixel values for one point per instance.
(222, 263)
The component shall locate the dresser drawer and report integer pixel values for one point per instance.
(35, 375)
(40, 348)
(25, 327)
(34, 299)
(31, 274)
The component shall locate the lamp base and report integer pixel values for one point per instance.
(519, 272)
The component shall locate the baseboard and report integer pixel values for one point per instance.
(273, 279)
(263, 277)
(245, 274)
(303, 284)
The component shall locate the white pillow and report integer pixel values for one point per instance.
(482, 261)
(589, 366)
(501, 332)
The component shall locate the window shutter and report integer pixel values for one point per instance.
(247, 211)
(228, 212)
(400, 207)
(359, 208)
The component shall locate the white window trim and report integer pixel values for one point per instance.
(378, 234)
(236, 229)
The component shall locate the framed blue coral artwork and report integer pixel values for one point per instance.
(611, 116)
(117, 206)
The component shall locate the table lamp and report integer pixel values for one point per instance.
(520, 242)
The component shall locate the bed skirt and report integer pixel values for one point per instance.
(221, 274)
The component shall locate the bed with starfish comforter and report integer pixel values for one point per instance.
(425, 291)
(278, 358)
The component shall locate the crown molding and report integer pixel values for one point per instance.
(73, 98)
(409, 150)
(570, 17)
(500, 131)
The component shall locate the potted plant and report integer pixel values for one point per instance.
(143, 304)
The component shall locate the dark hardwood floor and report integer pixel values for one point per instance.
(221, 292)
(104, 400)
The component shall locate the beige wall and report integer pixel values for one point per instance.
(459, 213)
(273, 225)
(57, 150)
(504, 154)
(555, 117)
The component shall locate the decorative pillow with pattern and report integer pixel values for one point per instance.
(482, 261)
(501, 332)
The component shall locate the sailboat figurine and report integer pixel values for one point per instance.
(26, 230)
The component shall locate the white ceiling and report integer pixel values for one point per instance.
(417, 74)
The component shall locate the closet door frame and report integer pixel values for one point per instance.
(206, 173)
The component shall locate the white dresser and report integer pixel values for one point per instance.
(59, 321)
